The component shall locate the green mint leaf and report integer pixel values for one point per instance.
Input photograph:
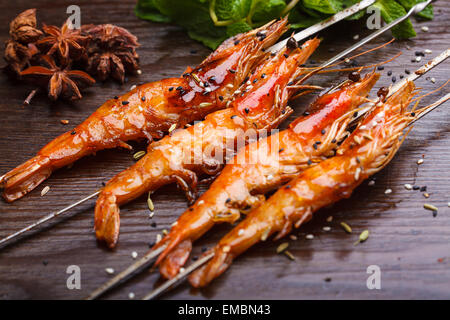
(426, 13)
(145, 9)
(391, 10)
(324, 6)
(266, 10)
(237, 27)
(232, 9)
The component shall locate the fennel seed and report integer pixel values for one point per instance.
(430, 207)
(346, 227)
(150, 205)
(282, 247)
(138, 155)
(362, 237)
(289, 255)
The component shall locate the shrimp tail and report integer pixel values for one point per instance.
(214, 268)
(25, 177)
(177, 257)
(107, 220)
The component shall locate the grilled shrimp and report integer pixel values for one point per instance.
(280, 157)
(366, 151)
(149, 110)
(201, 148)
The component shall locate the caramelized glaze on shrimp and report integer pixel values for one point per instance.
(260, 104)
(243, 182)
(366, 151)
(149, 110)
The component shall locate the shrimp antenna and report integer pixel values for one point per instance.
(182, 275)
(298, 36)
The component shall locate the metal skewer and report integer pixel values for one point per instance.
(151, 255)
(325, 24)
(9, 239)
(298, 36)
(182, 275)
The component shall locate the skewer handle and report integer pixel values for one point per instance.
(415, 9)
(9, 239)
(325, 24)
(180, 276)
(145, 261)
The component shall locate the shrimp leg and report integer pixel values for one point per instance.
(366, 151)
(264, 165)
(180, 157)
(149, 110)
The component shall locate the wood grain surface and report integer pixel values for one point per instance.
(411, 247)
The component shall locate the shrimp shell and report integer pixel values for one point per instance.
(264, 165)
(200, 148)
(319, 186)
(149, 110)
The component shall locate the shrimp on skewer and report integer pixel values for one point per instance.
(149, 110)
(280, 157)
(366, 151)
(200, 149)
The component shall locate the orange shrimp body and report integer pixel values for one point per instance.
(149, 110)
(201, 148)
(366, 151)
(280, 157)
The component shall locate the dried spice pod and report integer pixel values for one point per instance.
(18, 55)
(60, 82)
(67, 42)
(23, 28)
(111, 51)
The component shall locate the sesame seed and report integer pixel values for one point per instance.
(418, 59)
(240, 232)
(293, 237)
(172, 127)
(433, 80)
(371, 183)
(326, 228)
(420, 161)
(226, 249)
(387, 191)
(408, 186)
(309, 236)
(134, 254)
(425, 29)
(139, 71)
(45, 190)
(133, 87)
(356, 37)
(65, 121)
(158, 238)
(131, 295)
(428, 51)
(109, 270)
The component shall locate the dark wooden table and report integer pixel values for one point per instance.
(411, 247)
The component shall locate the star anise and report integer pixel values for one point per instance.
(111, 51)
(60, 82)
(68, 42)
(23, 28)
(18, 55)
